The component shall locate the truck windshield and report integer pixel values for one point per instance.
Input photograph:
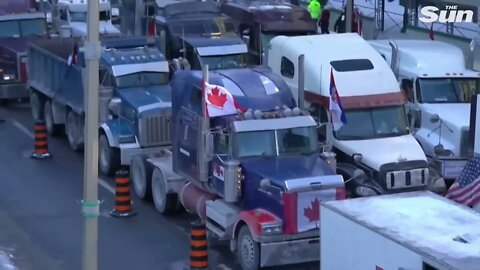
(447, 90)
(301, 140)
(371, 123)
(82, 16)
(201, 27)
(23, 28)
(142, 79)
(225, 61)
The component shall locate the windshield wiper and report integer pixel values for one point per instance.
(352, 137)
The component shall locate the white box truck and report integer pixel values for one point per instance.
(409, 231)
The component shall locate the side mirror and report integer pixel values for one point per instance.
(209, 143)
(358, 173)
(434, 118)
(114, 106)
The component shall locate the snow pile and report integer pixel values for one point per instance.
(5, 263)
(423, 221)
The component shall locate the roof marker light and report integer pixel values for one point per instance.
(287, 112)
(257, 114)
(454, 74)
(296, 111)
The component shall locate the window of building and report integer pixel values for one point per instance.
(287, 69)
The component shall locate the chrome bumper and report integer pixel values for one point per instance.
(14, 90)
(290, 252)
(126, 154)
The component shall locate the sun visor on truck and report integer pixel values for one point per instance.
(222, 50)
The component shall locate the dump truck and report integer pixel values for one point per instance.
(20, 21)
(255, 175)
(134, 95)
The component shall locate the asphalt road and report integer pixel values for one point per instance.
(41, 227)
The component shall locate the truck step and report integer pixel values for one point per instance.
(222, 213)
(221, 234)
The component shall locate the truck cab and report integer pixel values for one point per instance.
(439, 87)
(376, 137)
(19, 22)
(259, 22)
(71, 18)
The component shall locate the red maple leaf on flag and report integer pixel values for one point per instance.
(216, 98)
(313, 212)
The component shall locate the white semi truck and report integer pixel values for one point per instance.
(409, 231)
(439, 88)
(376, 138)
(70, 18)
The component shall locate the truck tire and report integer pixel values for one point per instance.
(108, 157)
(141, 174)
(74, 129)
(165, 203)
(52, 128)
(248, 251)
(37, 102)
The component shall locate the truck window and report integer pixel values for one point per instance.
(221, 143)
(63, 15)
(104, 15)
(426, 266)
(287, 69)
(9, 29)
(407, 88)
(351, 65)
(35, 27)
(447, 90)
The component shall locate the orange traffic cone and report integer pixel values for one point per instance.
(41, 145)
(198, 246)
(123, 203)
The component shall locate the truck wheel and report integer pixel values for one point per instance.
(108, 157)
(141, 174)
(52, 128)
(37, 102)
(74, 130)
(248, 251)
(165, 203)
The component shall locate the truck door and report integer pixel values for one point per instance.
(187, 132)
(408, 90)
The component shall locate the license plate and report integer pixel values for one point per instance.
(452, 168)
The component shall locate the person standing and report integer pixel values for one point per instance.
(325, 21)
(314, 8)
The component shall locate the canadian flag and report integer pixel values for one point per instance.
(308, 208)
(219, 101)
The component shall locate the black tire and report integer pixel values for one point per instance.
(141, 175)
(52, 128)
(74, 128)
(248, 251)
(108, 157)
(37, 103)
(165, 203)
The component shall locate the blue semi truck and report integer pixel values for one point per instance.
(134, 94)
(256, 177)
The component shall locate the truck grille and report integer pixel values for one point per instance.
(464, 141)
(155, 130)
(406, 179)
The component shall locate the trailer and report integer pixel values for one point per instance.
(409, 231)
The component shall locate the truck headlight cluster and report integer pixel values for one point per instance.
(7, 77)
(271, 229)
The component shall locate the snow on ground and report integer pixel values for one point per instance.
(394, 17)
(423, 221)
(5, 263)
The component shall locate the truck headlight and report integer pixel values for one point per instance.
(7, 77)
(365, 191)
(271, 229)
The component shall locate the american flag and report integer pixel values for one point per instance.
(466, 189)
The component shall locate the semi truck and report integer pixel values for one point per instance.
(70, 18)
(134, 95)
(409, 231)
(255, 176)
(19, 22)
(260, 21)
(375, 138)
(439, 87)
(194, 31)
